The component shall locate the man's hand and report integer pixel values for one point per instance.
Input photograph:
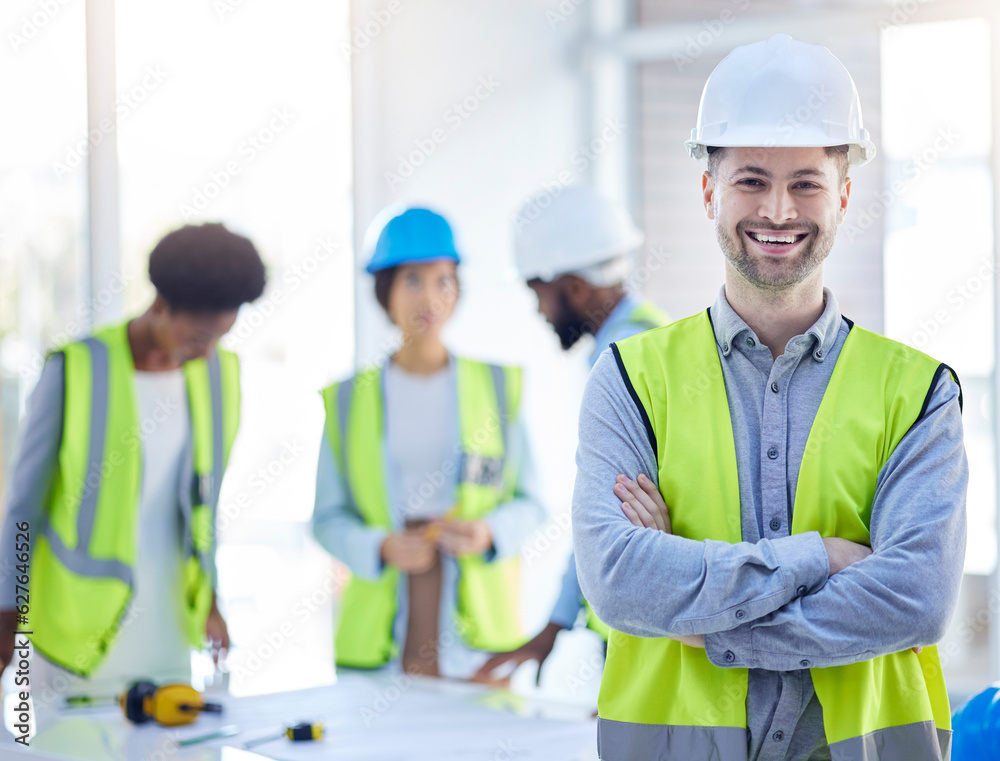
(409, 550)
(843, 553)
(691, 640)
(217, 633)
(462, 537)
(642, 503)
(536, 649)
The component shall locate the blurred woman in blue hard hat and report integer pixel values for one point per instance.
(424, 486)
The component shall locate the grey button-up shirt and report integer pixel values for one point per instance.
(765, 603)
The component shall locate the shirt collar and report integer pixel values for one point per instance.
(822, 334)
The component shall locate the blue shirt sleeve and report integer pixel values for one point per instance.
(568, 606)
(905, 592)
(337, 525)
(614, 330)
(33, 467)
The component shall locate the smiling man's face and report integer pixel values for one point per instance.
(776, 211)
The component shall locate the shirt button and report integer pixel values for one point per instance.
(741, 614)
(775, 524)
(819, 354)
(772, 453)
(729, 656)
(801, 590)
(774, 387)
(750, 342)
(804, 663)
(778, 736)
(725, 348)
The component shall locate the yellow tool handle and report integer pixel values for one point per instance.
(305, 731)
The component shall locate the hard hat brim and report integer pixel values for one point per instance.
(535, 270)
(378, 266)
(860, 153)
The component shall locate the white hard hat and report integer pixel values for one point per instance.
(574, 230)
(781, 93)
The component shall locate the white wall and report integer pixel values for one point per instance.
(522, 79)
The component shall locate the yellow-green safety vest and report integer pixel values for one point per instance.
(648, 315)
(83, 559)
(489, 397)
(661, 699)
(595, 624)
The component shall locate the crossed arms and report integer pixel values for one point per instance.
(774, 603)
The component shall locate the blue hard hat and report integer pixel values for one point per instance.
(415, 235)
(977, 728)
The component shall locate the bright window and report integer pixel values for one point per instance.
(939, 263)
(42, 208)
(240, 112)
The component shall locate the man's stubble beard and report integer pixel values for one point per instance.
(804, 264)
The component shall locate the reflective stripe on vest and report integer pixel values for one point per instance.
(661, 699)
(83, 561)
(487, 606)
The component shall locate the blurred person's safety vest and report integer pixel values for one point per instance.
(489, 396)
(83, 559)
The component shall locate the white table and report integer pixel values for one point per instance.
(367, 717)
